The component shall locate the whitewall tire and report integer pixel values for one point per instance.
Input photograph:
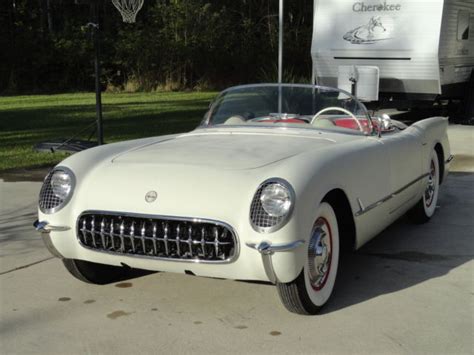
(426, 207)
(313, 287)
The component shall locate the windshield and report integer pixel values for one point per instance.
(290, 105)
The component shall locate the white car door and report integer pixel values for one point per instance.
(403, 151)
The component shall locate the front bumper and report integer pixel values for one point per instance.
(277, 262)
(45, 229)
(267, 250)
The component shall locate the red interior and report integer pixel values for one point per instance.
(352, 124)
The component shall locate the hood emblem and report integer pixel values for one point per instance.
(151, 196)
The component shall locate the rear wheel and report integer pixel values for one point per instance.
(425, 208)
(313, 287)
(99, 274)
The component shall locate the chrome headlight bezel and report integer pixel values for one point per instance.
(49, 202)
(260, 220)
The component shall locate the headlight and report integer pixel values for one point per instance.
(61, 183)
(272, 205)
(276, 200)
(57, 190)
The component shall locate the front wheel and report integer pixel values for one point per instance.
(314, 285)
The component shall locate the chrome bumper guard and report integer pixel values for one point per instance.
(45, 228)
(267, 249)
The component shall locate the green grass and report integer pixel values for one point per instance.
(27, 120)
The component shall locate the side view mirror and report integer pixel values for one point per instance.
(384, 124)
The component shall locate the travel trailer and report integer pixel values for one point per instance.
(424, 49)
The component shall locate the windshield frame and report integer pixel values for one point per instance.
(206, 121)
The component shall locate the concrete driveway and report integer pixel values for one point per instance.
(410, 290)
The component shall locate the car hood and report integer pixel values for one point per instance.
(194, 174)
(224, 150)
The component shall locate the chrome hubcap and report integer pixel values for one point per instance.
(319, 254)
(430, 188)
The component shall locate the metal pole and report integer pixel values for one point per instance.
(98, 98)
(280, 55)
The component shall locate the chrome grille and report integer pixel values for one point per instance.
(157, 237)
(258, 216)
(48, 201)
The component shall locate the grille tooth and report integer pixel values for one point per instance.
(203, 242)
(157, 237)
(143, 230)
(102, 233)
(112, 234)
(216, 242)
(165, 237)
(84, 229)
(132, 236)
(93, 231)
(177, 239)
(154, 238)
(122, 239)
(190, 240)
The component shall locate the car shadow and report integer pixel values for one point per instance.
(405, 254)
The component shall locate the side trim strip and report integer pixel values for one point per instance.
(389, 197)
(450, 159)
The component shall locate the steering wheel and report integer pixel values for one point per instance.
(316, 117)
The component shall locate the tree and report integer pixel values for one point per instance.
(174, 44)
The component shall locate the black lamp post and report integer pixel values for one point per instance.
(98, 98)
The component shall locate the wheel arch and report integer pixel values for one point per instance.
(338, 200)
(441, 159)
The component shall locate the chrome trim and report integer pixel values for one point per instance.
(45, 227)
(319, 253)
(267, 249)
(68, 198)
(282, 127)
(285, 219)
(50, 246)
(389, 197)
(173, 218)
(46, 237)
(450, 159)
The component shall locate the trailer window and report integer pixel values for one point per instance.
(464, 18)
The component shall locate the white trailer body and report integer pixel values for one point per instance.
(422, 47)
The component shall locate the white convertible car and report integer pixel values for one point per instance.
(272, 186)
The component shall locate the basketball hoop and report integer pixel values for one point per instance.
(128, 9)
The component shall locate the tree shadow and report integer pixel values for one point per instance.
(143, 123)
